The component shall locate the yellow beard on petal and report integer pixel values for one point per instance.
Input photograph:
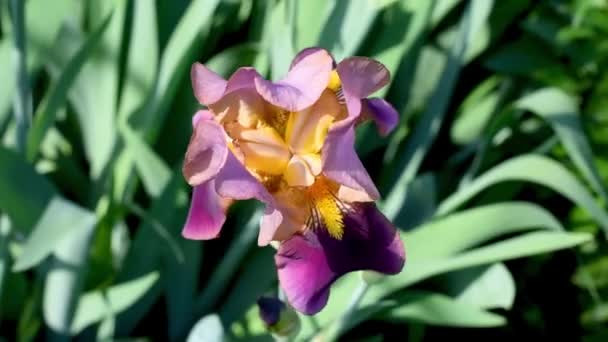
(326, 206)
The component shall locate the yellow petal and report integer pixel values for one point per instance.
(297, 173)
(306, 130)
(263, 149)
(244, 106)
(313, 161)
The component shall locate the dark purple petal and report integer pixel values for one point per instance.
(207, 150)
(270, 309)
(341, 162)
(383, 113)
(206, 215)
(308, 264)
(303, 84)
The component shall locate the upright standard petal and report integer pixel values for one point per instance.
(383, 114)
(210, 87)
(303, 84)
(306, 52)
(207, 151)
(308, 264)
(206, 216)
(360, 77)
(340, 161)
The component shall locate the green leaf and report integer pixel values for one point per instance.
(208, 329)
(4, 254)
(311, 17)
(63, 282)
(227, 61)
(475, 226)
(56, 96)
(475, 112)
(437, 309)
(235, 253)
(282, 50)
(152, 170)
(142, 59)
(485, 287)
(529, 168)
(174, 62)
(24, 194)
(561, 112)
(60, 219)
(96, 106)
(255, 278)
(523, 245)
(182, 287)
(94, 306)
(347, 26)
(7, 86)
(141, 259)
(428, 126)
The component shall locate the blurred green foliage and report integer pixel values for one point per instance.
(500, 154)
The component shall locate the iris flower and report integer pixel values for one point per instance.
(290, 144)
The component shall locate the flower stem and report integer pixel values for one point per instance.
(22, 107)
(336, 329)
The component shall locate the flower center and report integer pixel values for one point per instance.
(285, 145)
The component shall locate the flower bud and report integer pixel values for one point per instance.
(279, 318)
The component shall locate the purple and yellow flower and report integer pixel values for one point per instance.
(290, 144)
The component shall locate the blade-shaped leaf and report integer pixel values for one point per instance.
(208, 329)
(428, 126)
(530, 168)
(24, 194)
(64, 279)
(523, 245)
(437, 309)
(47, 111)
(472, 227)
(561, 112)
(61, 218)
(93, 306)
(485, 287)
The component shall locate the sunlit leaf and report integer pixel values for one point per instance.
(60, 219)
(208, 329)
(93, 306)
(437, 309)
(529, 168)
(561, 112)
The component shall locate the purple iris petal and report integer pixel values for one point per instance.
(207, 151)
(206, 215)
(360, 77)
(306, 52)
(383, 113)
(235, 182)
(303, 84)
(217, 174)
(210, 87)
(308, 265)
(340, 160)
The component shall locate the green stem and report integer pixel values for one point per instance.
(22, 107)
(337, 328)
